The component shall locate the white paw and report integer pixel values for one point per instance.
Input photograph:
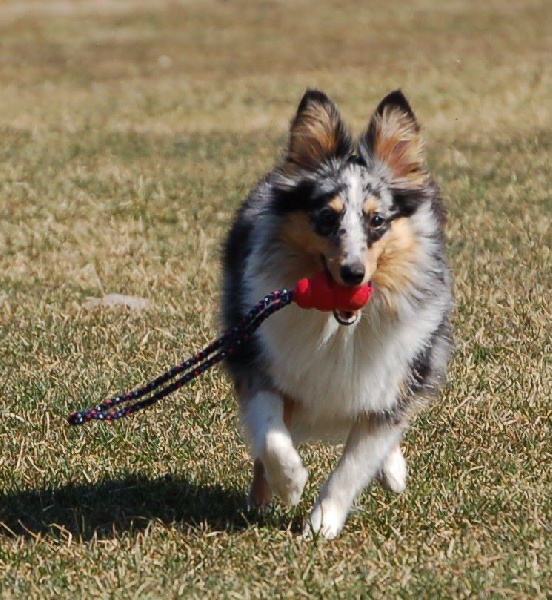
(284, 469)
(326, 519)
(394, 471)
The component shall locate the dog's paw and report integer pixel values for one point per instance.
(394, 471)
(326, 520)
(284, 469)
(287, 481)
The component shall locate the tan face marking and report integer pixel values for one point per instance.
(398, 253)
(336, 204)
(370, 205)
(298, 233)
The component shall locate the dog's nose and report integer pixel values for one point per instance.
(352, 274)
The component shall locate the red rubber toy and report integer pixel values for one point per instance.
(324, 294)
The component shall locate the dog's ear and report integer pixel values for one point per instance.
(317, 133)
(393, 137)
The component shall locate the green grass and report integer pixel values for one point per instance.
(130, 132)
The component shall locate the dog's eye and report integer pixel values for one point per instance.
(326, 221)
(376, 220)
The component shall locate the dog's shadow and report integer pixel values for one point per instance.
(114, 506)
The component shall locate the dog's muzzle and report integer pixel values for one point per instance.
(343, 317)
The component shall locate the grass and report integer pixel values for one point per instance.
(130, 132)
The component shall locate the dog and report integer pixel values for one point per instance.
(360, 211)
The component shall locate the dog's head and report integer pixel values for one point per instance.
(347, 205)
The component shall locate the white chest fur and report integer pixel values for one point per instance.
(334, 372)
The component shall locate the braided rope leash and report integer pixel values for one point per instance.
(319, 292)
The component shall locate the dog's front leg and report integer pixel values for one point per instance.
(368, 444)
(276, 459)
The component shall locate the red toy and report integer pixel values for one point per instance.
(324, 294)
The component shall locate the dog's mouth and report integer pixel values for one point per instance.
(343, 317)
(348, 317)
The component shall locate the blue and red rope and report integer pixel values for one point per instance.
(193, 367)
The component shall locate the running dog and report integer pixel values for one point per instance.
(363, 210)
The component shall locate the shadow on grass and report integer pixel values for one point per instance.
(111, 507)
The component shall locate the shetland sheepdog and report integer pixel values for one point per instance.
(364, 210)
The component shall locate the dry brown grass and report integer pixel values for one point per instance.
(130, 132)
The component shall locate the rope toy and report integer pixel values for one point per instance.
(319, 292)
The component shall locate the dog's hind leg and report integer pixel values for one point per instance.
(367, 446)
(260, 494)
(278, 466)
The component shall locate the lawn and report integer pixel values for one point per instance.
(130, 131)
